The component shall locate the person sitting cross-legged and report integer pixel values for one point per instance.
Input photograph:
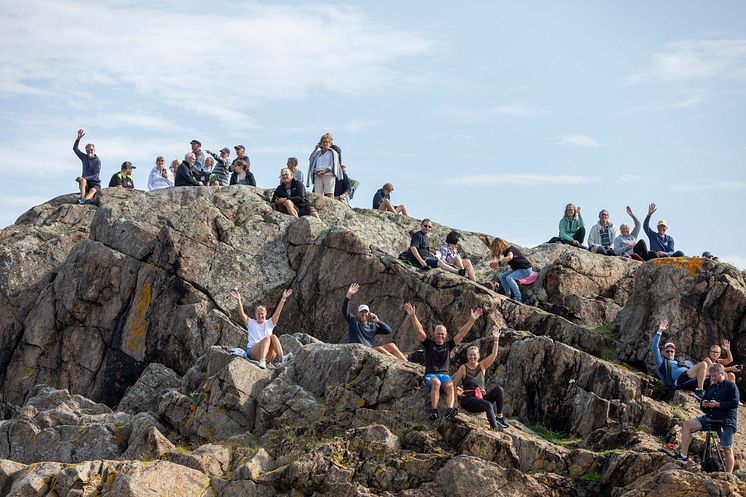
(602, 235)
(437, 359)
(262, 345)
(675, 375)
(382, 201)
(571, 228)
(661, 244)
(364, 327)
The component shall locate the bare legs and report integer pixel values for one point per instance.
(435, 387)
(267, 348)
(464, 264)
(390, 349)
(698, 371)
(387, 206)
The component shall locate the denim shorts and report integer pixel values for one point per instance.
(444, 378)
(724, 432)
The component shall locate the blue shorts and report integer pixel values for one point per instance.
(724, 432)
(429, 261)
(444, 378)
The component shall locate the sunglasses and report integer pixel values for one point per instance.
(427, 225)
(670, 350)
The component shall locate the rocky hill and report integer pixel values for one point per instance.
(116, 380)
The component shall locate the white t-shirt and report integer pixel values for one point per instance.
(325, 161)
(257, 332)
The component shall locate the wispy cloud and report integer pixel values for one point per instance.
(709, 185)
(578, 140)
(527, 179)
(629, 179)
(695, 60)
(504, 110)
(691, 99)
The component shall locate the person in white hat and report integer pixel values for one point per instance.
(661, 244)
(364, 327)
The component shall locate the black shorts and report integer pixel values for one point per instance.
(91, 185)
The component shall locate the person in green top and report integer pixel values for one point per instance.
(571, 228)
(124, 177)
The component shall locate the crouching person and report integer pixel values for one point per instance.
(262, 345)
(364, 327)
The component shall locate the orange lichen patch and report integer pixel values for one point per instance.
(134, 334)
(692, 264)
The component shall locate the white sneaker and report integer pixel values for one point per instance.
(262, 364)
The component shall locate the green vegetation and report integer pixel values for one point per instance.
(610, 330)
(554, 437)
(593, 476)
(680, 413)
(610, 452)
(184, 449)
(608, 354)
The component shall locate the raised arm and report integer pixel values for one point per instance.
(237, 296)
(646, 224)
(345, 303)
(728, 354)
(636, 229)
(475, 314)
(278, 311)
(490, 359)
(657, 340)
(409, 308)
(77, 151)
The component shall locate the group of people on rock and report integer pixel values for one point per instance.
(604, 239)
(719, 401)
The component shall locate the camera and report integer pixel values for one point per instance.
(739, 367)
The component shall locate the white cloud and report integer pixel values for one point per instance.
(709, 185)
(512, 179)
(628, 179)
(695, 59)
(574, 140)
(691, 99)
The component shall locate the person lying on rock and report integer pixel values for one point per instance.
(469, 382)
(419, 251)
(437, 359)
(675, 375)
(291, 195)
(382, 201)
(602, 235)
(449, 254)
(661, 244)
(88, 181)
(520, 267)
(626, 244)
(713, 357)
(720, 404)
(364, 327)
(262, 345)
(571, 228)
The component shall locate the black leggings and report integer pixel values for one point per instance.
(641, 249)
(473, 404)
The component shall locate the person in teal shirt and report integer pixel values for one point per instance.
(571, 228)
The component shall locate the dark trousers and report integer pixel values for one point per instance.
(600, 249)
(641, 249)
(496, 396)
(579, 236)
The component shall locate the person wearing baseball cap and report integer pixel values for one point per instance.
(221, 173)
(197, 150)
(240, 156)
(364, 327)
(124, 177)
(661, 244)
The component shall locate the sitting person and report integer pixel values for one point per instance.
(661, 244)
(449, 254)
(364, 327)
(437, 359)
(520, 267)
(419, 251)
(160, 177)
(124, 177)
(242, 174)
(342, 187)
(88, 181)
(675, 375)
(713, 357)
(602, 235)
(262, 345)
(187, 173)
(720, 404)
(291, 195)
(474, 395)
(626, 242)
(571, 229)
(382, 201)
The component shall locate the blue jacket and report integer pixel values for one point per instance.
(358, 332)
(658, 243)
(91, 167)
(677, 369)
(726, 393)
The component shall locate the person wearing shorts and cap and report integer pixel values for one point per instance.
(364, 327)
(661, 244)
(675, 375)
(124, 177)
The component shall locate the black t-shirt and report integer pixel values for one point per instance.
(519, 260)
(422, 243)
(437, 357)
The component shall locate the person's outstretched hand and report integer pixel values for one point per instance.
(629, 211)
(81, 134)
(287, 293)
(353, 289)
(476, 313)
(663, 326)
(409, 309)
(651, 209)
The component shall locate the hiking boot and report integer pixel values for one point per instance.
(462, 272)
(501, 423)
(451, 412)
(680, 457)
(699, 394)
(81, 201)
(433, 415)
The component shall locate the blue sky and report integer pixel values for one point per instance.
(488, 116)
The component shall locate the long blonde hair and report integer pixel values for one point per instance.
(498, 247)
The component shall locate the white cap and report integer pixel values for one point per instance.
(363, 307)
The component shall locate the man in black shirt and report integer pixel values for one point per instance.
(124, 177)
(364, 327)
(437, 359)
(187, 172)
(291, 195)
(419, 251)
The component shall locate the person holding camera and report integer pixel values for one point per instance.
(364, 327)
(713, 357)
(720, 405)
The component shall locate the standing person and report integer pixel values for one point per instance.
(437, 359)
(571, 228)
(342, 187)
(291, 195)
(449, 254)
(292, 164)
(221, 172)
(89, 181)
(124, 177)
(720, 404)
(713, 357)
(674, 374)
(474, 396)
(625, 243)
(324, 167)
(419, 251)
(364, 327)
(197, 151)
(661, 244)
(502, 253)
(602, 235)
(262, 345)
(382, 201)
(159, 176)
(187, 173)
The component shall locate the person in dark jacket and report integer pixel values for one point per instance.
(720, 405)
(124, 177)
(661, 244)
(502, 253)
(89, 181)
(382, 201)
(291, 195)
(241, 174)
(364, 327)
(185, 174)
(342, 187)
